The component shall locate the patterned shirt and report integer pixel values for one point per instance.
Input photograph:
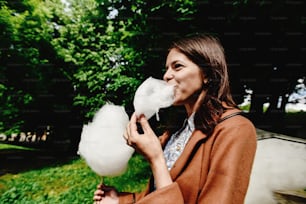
(178, 141)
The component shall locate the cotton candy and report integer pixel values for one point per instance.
(102, 144)
(152, 95)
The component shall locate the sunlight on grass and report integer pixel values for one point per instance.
(73, 182)
(12, 147)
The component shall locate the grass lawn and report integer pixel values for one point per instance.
(13, 147)
(73, 182)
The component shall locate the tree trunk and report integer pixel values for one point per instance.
(256, 110)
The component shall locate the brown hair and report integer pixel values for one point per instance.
(207, 52)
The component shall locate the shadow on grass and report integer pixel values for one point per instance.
(15, 161)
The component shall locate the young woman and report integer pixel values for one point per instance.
(209, 159)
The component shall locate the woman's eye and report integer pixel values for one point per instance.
(176, 66)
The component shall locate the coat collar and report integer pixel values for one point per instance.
(196, 136)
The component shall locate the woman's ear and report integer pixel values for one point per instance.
(205, 81)
(205, 84)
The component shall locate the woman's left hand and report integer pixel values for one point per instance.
(105, 195)
(149, 146)
(147, 143)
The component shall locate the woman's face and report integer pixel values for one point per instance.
(186, 77)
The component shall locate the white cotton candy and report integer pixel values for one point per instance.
(102, 144)
(278, 165)
(152, 95)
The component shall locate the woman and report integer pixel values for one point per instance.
(209, 159)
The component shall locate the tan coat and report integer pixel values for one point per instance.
(218, 173)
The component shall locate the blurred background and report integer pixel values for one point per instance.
(61, 60)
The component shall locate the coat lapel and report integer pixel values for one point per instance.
(196, 136)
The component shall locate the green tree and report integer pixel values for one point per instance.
(101, 63)
(12, 97)
(28, 66)
(102, 50)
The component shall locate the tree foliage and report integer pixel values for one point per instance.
(28, 67)
(13, 97)
(98, 51)
(101, 63)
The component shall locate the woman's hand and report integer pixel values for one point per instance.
(105, 195)
(149, 146)
(147, 143)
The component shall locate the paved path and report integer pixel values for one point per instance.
(262, 134)
(279, 166)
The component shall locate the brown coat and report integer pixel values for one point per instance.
(219, 171)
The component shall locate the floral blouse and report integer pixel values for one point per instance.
(178, 141)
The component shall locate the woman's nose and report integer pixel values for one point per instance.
(168, 75)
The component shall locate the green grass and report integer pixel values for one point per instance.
(13, 147)
(73, 182)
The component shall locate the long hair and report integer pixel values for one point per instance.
(207, 52)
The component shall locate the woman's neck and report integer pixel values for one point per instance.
(193, 106)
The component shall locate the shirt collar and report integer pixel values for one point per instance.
(187, 125)
(190, 122)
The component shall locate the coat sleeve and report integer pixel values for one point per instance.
(163, 195)
(170, 194)
(231, 158)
